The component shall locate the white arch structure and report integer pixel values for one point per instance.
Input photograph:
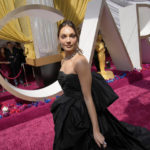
(46, 12)
(52, 15)
(134, 25)
(97, 17)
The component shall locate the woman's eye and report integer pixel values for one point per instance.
(63, 36)
(73, 35)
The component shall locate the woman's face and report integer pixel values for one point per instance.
(68, 38)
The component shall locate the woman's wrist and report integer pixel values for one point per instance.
(96, 129)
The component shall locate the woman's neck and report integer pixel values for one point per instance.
(69, 55)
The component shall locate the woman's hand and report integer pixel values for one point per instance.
(99, 139)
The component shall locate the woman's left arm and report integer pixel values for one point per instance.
(83, 70)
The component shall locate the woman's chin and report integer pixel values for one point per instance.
(69, 49)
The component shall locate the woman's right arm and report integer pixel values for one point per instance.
(84, 73)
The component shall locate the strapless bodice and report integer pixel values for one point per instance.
(70, 83)
(102, 93)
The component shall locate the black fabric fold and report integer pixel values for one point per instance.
(103, 95)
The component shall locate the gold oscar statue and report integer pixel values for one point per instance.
(101, 57)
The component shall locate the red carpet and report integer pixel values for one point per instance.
(36, 134)
(133, 107)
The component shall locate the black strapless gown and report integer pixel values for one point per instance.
(73, 128)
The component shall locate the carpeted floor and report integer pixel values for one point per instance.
(36, 134)
(133, 105)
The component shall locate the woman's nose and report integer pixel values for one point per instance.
(68, 39)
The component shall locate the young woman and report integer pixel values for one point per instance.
(82, 121)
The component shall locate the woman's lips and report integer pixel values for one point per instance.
(68, 46)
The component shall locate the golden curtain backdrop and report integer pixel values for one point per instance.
(17, 29)
(20, 29)
(73, 10)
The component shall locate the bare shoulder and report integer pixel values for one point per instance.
(81, 62)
